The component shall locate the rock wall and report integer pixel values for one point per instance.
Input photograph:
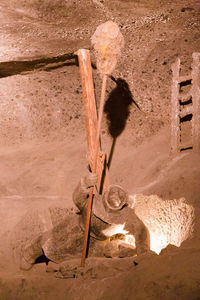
(168, 221)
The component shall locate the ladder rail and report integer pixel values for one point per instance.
(196, 101)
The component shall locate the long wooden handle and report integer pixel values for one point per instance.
(88, 98)
(96, 150)
(94, 167)
(87, 226)
(93, 129)
(91, 118)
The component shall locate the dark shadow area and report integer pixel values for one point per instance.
(185, 83)
(117, 110)
(186, 118)
(103, 176)
(187, 102)
(11, 68)
(93, 66)
(117, 107)
(187, 148)
(186, 134)
(42, 259)
(111, 153)
(186, 9)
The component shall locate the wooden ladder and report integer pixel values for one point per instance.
(185, 105)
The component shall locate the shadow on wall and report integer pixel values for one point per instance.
(117, 107)
(117, 110)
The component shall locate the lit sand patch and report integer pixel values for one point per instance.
(168, 221)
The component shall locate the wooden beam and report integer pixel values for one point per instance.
(91, 118)
(196, 101)
(175, 122)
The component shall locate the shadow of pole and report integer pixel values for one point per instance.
(111, 153)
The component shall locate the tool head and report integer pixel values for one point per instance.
(107, 42)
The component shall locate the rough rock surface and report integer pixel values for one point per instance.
(168, 221)
(42, 134)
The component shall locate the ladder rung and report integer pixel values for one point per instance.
(184, 78)
(186, 111)
(185, 97)
(185, 146)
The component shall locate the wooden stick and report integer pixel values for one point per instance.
(196, 101)
(93, 131)
(103, 91)
(175, 126)
(91, 118)
(88, 98)
(87, 225)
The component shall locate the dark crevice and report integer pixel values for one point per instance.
(42, 259)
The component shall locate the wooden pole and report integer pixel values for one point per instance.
(93, 129)
(94, 169)
(196, 101)
(91, 117)
(175, 125)
(88, 98)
